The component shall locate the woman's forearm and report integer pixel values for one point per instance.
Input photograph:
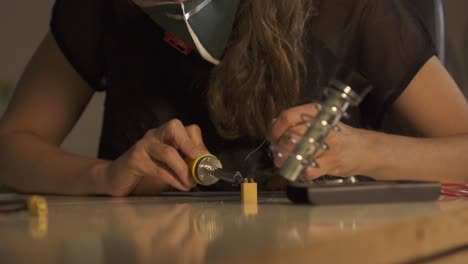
(29, 164)
(392, 157)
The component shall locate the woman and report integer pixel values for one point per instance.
(279, 56)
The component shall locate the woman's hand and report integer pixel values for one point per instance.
(346, 151)
(156, 161)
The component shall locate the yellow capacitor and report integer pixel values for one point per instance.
(37, 206)
(249, 193)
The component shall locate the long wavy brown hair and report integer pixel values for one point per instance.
(260, 73)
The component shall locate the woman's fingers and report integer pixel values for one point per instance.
(327, 159)
(173, 133)
(291, 118)
(312, 173)
(168, 147)
(157, 160)
(289, 141)
(195, 134)
(160, 157)
(168, 162)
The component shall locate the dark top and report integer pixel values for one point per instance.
(116, 48)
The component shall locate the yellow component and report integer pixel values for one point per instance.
(249, 192)
(193, 167)
(37, 206)
(250, 209)
(38, 227)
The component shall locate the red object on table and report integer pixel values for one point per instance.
(455, 189)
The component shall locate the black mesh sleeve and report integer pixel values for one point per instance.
(78, 27)
(393, 46)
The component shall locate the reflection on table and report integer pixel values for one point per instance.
(182, 229)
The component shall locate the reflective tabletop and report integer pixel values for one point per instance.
(217, 228)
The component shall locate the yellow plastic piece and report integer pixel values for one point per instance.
(249, 192)
(38, 227)
(250, 209)
(37, 206)
(193, 167)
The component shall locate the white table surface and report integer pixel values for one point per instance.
(219, 229)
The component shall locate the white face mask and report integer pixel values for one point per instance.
(205, 25)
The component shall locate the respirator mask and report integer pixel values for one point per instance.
(204, 25)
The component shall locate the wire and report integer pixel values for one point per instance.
(455, 189)
(247, 157)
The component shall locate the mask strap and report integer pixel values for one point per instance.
(197, 9)
(201, 49)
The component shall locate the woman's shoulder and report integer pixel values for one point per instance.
(77, 28)
(343, 22)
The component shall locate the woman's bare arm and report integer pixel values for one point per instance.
(48, 100)
(434, 106)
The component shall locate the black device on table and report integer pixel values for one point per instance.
(323, 192)
(11, 202)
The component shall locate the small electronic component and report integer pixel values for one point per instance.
(38, 209)
(249, 197)
(37, 206)
(207, 170)
(249, 191)
(38, 227)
